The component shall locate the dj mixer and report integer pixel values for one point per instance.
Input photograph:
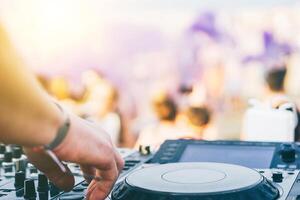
(179, 170)
(20, 180)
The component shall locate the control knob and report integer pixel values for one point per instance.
(277, 177)
(43, 187)
(29, 190)
(42, 183)
(288, 153)
(19, 180)
(16, 152)
(144, 150)
(2, 149)
(20, 177)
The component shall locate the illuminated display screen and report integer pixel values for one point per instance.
(248, 156)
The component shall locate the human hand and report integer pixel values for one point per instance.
(88, 146)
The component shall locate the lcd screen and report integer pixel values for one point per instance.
(248, 156)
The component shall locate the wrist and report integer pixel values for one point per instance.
(46, 126)
(61, 131)
(65, 148)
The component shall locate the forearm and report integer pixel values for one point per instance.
(27, 116)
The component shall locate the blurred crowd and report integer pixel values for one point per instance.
(181, 115)
(98, 101)
(196, 85)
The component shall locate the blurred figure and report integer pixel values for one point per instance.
(108, 116)
(97, 90)
(184, 93)
(166, 128)
(276, 89)
(275, 92)
(275, 118)
(101, 106)
(196, 121)
(59, 88)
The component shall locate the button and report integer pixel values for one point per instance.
(129, 164)
(72, 197)
(171, 150)
(79, 189)
(85, 184)
(165, 158)
(126, 168)
(173, 145)
(277, 177)
(133, 161)
(293, 166)
(168, 154)
(281, 166)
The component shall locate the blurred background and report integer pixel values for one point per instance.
(149, 70)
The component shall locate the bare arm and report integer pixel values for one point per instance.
(29, 118)
(27, 115)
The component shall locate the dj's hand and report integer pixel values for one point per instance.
(90, 147)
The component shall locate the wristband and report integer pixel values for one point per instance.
(61, 132)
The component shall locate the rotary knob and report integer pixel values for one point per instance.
(42, 183)
(288, 153)
(17, 152)
(29, 190)
(2, 148)
(19, 180)
(43, 187)
(8, 157)
(277, 177)
(144, 150)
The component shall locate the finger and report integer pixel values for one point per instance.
(41, 160)
(97, 194)
(119, 161)
(101, 189)
(88, 172)
(118, 158)
(90, 189)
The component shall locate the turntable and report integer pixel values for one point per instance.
(204, 181)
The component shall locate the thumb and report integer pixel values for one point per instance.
(46, 164)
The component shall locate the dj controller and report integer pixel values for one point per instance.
(179, 170)
(20, 180)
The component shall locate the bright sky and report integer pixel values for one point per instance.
(54, 31)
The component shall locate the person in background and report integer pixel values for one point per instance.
(101, 105)
(276, 94)
(275, 91)
(108, 116)
(195, 122)
(166, 111)
(30, 118)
